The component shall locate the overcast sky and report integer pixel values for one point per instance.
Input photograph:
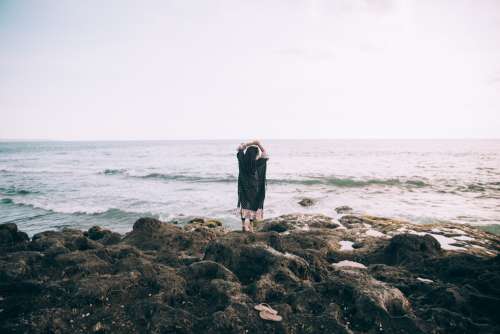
(249, 69)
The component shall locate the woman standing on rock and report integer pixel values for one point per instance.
(252, 163)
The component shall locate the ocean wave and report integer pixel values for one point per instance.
(348, 182)
(171, 177)
(6, 201)
(307, 180)
(10, 191)
(325, 180)
(189, 178)
(114, 213)
(110, 213)
(114, 171)
(479, 187)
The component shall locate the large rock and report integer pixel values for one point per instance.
(167, 278)
(405, 248)
(10, 236)
(104, 236)
(171, 240)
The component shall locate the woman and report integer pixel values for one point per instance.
(252, 163)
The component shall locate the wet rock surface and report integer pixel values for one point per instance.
(360, 274)
(306, 202)
(343, 209)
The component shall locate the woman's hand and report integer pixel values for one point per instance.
(250, 143)
(242, 146)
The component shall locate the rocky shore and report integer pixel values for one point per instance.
(355, 274)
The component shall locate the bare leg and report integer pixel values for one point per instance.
(248, 225)
(251, 226)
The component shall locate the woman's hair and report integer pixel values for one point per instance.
(250, 159)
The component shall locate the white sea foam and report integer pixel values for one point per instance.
(446, 242)
(349, 264)
(464, 238)
(346, 246)
(375, 233)
(425, 280)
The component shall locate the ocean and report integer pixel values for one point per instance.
(53, 184)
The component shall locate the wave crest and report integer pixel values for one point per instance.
(114, 171)
(348, 182)
(110, 213)
(325, 180)
(10, 191)
(189, 178)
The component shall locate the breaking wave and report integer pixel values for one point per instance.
(331, 181)
(11, 191)
(109, 214)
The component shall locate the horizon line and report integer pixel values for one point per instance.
(238, 139)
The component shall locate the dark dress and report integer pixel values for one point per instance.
(251, 188)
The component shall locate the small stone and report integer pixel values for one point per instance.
(307, 202)
(343, 209)
(357, 245)
(98, 328)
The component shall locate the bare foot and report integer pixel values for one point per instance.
(246, 226)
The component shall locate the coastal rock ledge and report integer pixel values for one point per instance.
(357, 274)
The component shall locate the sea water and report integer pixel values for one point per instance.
(52, 185)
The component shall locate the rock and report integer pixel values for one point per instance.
(201, 222)
(324, 225)
(98, 328)
(276, 226)
(164, 278)
(297, 222)
(357, 245)
(196, 221)
(352, 221)
(103, 236)
(307, 202)
(213, 223)
(96, 233)
(10, 236)
(405, 248)
(369, 303)
(147, 225)
(343, 209)
(210, 270)
(10, 227)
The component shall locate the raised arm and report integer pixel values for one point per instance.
(262, 149)
(257, 143)
(242, 146)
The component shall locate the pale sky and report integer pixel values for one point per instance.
(189, 69)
